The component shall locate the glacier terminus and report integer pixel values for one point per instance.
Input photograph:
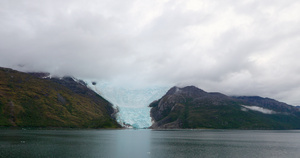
(132, 104)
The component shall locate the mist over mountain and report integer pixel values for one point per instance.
(41, 100)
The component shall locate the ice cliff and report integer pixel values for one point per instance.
(131, 103)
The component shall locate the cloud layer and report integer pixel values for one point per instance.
(248, 47)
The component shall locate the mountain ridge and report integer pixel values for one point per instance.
(34, 100)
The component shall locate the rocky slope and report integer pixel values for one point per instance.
(190, 107)
(34, 100)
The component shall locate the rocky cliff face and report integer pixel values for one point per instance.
(190, 107)
(35, 100)
(80, 87)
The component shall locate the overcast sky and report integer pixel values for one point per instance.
(248, 47)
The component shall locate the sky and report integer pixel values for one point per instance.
(248, 47)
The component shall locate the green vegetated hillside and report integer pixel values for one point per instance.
(28, 100)
(190, 107)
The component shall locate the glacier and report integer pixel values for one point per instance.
(132, 104)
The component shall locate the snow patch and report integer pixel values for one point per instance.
(46, 77)
(177, 90)
(256, 108)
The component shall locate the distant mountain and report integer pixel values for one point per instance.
(268, 104)
(37, 100)
(191, 107)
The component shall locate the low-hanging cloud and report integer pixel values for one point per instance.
(236, 47)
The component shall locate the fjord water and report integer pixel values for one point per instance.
(149, 143)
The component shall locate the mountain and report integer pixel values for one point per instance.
(191, 107)
(36, 100)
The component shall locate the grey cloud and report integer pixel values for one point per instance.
(236, 47)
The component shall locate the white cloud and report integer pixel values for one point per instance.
(259, 109)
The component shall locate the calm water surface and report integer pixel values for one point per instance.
(149, 143)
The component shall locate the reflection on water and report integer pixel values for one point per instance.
(149, 143)
(132, 143)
